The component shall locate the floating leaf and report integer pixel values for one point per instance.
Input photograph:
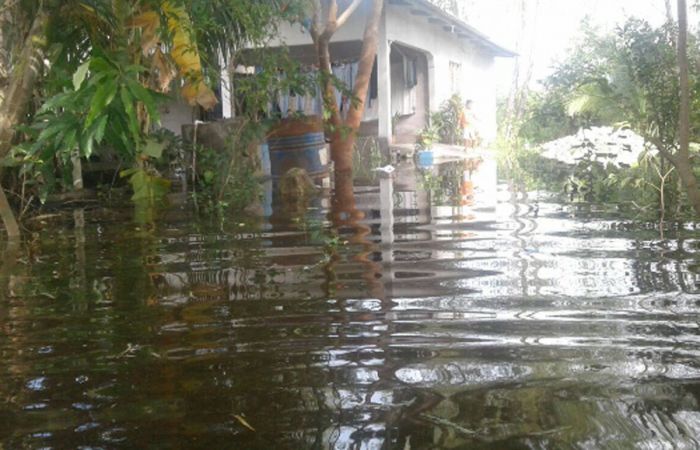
(244, 422)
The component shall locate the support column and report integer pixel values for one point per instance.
(433, 104)
(384, 83)
(227, 93)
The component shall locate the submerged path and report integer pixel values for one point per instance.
(439, 317)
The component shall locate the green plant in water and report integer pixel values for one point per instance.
(446, 121)
(230, 178)
(367, 157)
(428, 136)
(96, 106)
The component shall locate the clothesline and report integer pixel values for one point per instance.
(312, 104)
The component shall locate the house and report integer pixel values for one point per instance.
(424, 56)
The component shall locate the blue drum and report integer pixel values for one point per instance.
(299, 143)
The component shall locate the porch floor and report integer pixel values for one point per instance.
(441, 152)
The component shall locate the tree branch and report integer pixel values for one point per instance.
(348, 12)
(332, 14)
(316, 21)
(368, 54)
(661, 149)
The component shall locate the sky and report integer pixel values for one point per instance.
(555, 25)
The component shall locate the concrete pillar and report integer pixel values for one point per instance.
(384, 83)
(433, 103)
(386, 209)
(227, 93)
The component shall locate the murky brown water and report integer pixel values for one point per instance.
(437, 325)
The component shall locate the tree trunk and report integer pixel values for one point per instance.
(344, 133)
(682, 159)
(327, 87)
(690, 181)
(523, 70)
(8, 217)
(22, 80)
(16, 102)
(364, 71)
(342, 147)
(669, 11)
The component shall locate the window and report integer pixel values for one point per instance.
(410, 73)
(455, 77)
(374, 82)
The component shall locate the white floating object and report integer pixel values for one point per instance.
(386, 169)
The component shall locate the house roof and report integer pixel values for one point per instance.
(436, 15)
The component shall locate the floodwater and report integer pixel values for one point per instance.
(426, 317)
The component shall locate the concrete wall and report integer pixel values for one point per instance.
(175, 114)
(352, 30)
(477, 66)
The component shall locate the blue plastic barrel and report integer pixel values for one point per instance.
(265, 164)
(299, 143)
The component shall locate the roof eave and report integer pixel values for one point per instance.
(496, 49)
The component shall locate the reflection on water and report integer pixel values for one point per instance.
(422, 312)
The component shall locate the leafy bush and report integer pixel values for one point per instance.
(446, 121)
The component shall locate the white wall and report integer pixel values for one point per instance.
(175, 114)
(352, 30)
(477, 66)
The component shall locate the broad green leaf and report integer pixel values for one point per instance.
(132, 119)
(52, 131)
(70, 140)
(148, 187)
(103, 97)
(145, 96)
(79, 75)
(86, 142)
(136, 68)
(128, 172)
(57, 101)
(100, 128)
(99, 64)
(153, 148)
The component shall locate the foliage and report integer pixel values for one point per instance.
(591, 178)
(445, 182)
(276, 72)
(428, 136)
(629, 78)
(647, 187)
(367, 157)
(96, 108)
(546, 117)
(446, 121)
(109, 64)
(230, 178)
